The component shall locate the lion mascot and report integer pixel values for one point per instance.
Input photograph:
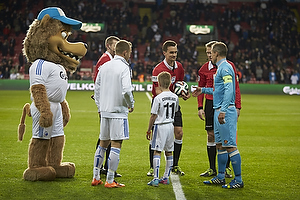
(47, 48)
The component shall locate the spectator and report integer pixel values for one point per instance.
(281, 76)
(13, 74)
(135, 54)
(259, 73)
(87, 76)
(295, 78)
(157, 38)
(6, 31)
(6, 74)
(272, 76)
(5, 48)
(265, 73)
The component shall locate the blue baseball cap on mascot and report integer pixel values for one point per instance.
(57, 13)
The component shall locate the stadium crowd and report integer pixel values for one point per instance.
(267, 48)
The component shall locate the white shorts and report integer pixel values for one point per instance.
(163, 137)
(114, 129)
(55, 130)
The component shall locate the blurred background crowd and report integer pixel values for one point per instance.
(262, 37)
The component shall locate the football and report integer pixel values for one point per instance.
(180, 88)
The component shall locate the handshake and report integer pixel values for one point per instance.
(197, 91)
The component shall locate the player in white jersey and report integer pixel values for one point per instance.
(163, 111)
(113, 97)
(56, 87)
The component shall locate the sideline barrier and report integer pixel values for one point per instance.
(147, 86)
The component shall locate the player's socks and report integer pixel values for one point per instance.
(113, 162)
(156, 166)
(98, 161)
(168, 168)
(106, 157)
(110, 176)
(177, 150)
(212, 153)
(151, 152)
(222, 160)
(228, 162)
(236, 161)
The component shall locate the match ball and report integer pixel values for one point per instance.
(181, 88)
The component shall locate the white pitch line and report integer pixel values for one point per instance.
(149, 96)
(179, 194)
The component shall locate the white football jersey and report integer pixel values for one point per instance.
(165, 105)
(52, 76)
(113, 89)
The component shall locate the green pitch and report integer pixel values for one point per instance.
(268, 140)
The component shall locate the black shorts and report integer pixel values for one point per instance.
(209, 115)
(178, 118)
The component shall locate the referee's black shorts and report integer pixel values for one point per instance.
(209, 115)
(178, 118)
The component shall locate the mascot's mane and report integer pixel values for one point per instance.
(36, 46)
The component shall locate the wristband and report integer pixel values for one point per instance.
(148, 133)
(201, 107)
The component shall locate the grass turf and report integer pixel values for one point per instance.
(268, 137)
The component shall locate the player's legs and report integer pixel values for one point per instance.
(113, 160)
(235, 157)
(104, 140)
(231, 147)
(156, 163)
(177, 144)
(168, 168)
(156, 166)
(178, 132)
(98, 161)
(168, 148)
(222, 154)
(222, 160)
(119, 131)
(211, 146)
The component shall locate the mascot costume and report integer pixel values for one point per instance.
(46, 46)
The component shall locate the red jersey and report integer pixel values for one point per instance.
(206, 79)
(177, 74)
(103, 59)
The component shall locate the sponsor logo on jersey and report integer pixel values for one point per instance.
(63, 75)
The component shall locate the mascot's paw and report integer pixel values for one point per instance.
(65, 170)
(65, 122)
(39, 174)
(46, 119)
(65, 112)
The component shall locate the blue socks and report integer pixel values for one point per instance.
(222, 160)
(235, 158)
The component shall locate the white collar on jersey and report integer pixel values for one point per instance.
(110, 56)
(170, 67)
(121, 58)
(210, 65)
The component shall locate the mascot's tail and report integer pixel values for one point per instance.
(21, 128)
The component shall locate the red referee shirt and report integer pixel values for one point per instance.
(206, 79)
(103, 59)
(177, 74)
